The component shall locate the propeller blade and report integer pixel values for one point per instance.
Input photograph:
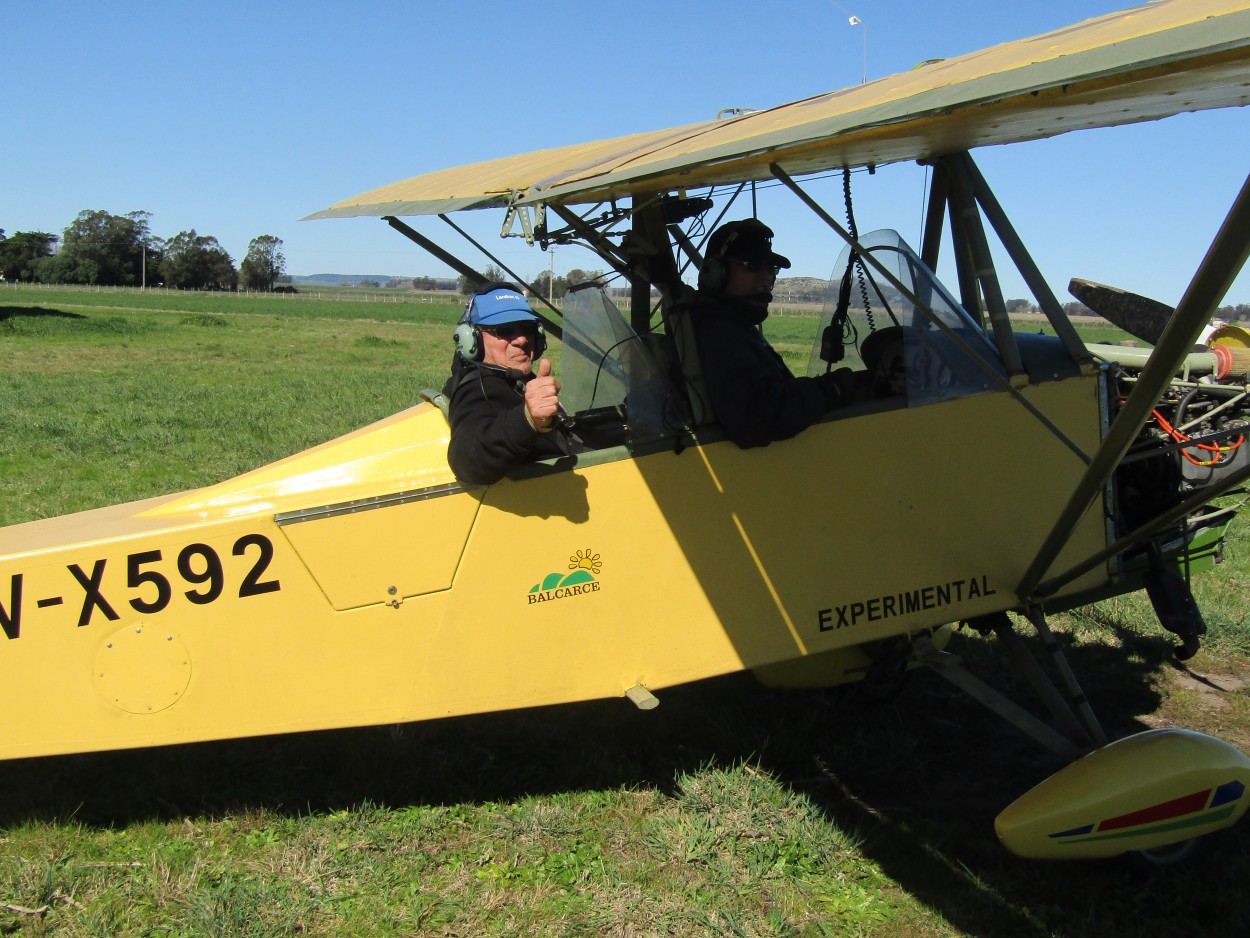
(1139, 316)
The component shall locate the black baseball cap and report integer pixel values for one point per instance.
(748, 239)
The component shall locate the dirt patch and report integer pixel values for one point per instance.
(1209, 701)
(1213, 689)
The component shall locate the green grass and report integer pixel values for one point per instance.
(729, 810)
(314, 303)
(166, 400)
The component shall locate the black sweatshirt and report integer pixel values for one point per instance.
(490, 435)
(754, 396)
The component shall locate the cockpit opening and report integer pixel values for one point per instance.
(907, 341)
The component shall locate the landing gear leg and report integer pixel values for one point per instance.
(1076, 729)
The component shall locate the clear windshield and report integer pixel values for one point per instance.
(916, 343)
(608, 373)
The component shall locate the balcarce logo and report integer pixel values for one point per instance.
(581, 581)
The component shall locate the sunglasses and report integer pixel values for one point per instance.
(510, 331)
(757, 267)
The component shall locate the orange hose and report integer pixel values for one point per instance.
(1180, 437)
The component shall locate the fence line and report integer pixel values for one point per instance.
(347, 294)
(784, 308)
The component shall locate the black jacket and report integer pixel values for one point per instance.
(754, 396)
(489, 433)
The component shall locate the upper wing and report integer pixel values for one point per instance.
(500, 182)
(1141, 64)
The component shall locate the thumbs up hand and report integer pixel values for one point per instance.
(542, 399)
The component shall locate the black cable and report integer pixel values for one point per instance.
(856, 261)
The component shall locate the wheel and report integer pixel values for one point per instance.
(1152, 860)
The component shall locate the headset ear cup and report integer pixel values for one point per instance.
(540, 342)
(712, 274)
(468, 339)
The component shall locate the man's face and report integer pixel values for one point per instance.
(510, 345)
(751, 280)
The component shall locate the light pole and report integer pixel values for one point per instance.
(856, 21)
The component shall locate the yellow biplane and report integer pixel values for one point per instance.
(360, 583)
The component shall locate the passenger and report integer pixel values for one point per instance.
(885, 358)
(754, 395)
(503, 414)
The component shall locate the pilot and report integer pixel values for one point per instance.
(754, 395)
(503, 413)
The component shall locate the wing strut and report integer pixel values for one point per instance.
(552, 327)
(650, 232)
(631, 260)
(1143, 534)
(600, 245)
(1223, 261)
(474, 277)
(935, 213)
(963, 205)
(446, 257)
(1024, 263)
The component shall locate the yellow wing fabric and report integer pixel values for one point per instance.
(496, 183)
(1145, 63)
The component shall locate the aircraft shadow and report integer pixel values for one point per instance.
(12, 312)
(917, 778)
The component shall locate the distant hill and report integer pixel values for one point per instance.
(340, 279)
(801, 289)
(809, 289)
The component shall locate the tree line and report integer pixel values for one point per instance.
(99, 248)
(544, 284)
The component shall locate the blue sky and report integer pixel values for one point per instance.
(239, 118)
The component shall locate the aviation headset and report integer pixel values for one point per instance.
(714, 273)
(468, 334)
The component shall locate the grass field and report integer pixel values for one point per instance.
(730, 810)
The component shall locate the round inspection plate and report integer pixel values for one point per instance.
(142, 670)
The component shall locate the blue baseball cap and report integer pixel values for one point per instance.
(500, 306)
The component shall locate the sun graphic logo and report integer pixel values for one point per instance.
(586, 560)
(584, 567)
